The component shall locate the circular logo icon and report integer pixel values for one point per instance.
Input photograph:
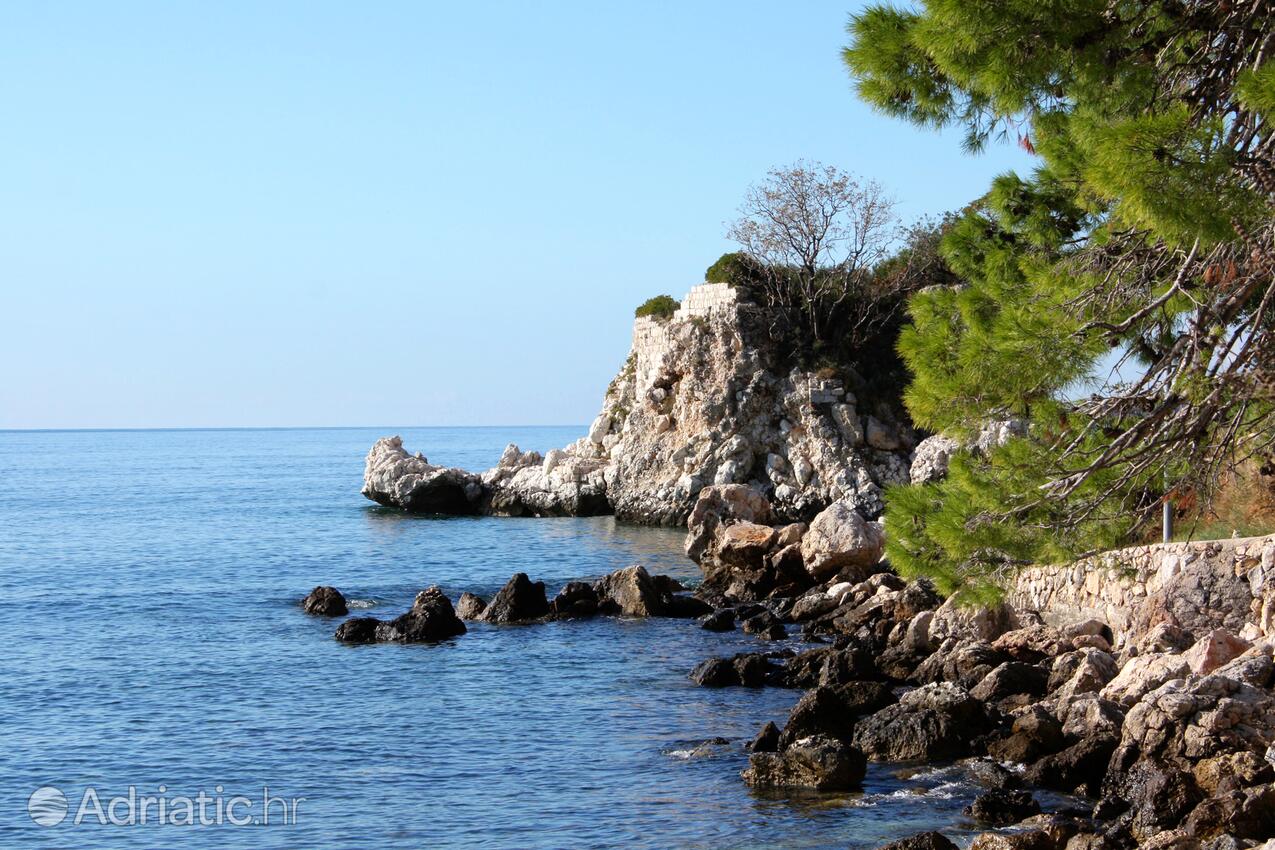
(47, 806)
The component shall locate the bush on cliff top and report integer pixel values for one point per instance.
(659, 307)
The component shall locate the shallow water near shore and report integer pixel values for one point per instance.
(153, 638)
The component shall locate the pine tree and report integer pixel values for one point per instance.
(1147, 229)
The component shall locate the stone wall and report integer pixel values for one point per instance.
(1198, 586)
(653, 338)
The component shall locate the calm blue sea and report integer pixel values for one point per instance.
(152, 639)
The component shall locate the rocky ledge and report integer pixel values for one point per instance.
(703, 399)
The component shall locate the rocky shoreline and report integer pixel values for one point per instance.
(1164, 736)
(1139, 684)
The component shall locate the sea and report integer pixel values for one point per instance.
(161, 686)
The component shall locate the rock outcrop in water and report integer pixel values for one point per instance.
(703, 399)
(430, 619)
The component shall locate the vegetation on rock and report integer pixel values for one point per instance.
(659, 307)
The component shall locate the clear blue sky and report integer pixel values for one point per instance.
(393, 213)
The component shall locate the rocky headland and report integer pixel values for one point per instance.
(1137, 683)
(704, 398)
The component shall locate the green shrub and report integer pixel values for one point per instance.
(659, 307)
(734, 268)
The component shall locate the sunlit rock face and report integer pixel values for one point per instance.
(703, 399)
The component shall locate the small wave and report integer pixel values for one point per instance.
(361, 603)
(681, 754)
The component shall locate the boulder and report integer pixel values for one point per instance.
(1142, 674)
(1079, 767)
(394, 478)
(1032, 643)
(325, 601)
(990, 773)
(1002, 807)
(1213, 650)
(1091, 671)
(1035, 733)
(684, 606)
(470, 606)
(1244, 814)
(519, 601)
(721, 620)
(358, 630)
(1030, 839)
(983, 623)
(576, 599)
(812, 606)
(745, 543)
(767, 740)
(936, 721)
(722, 505)
(817, 762)
(931, 459)
(1166, 638)
(715, 673)
(819, 711)
(631, 592)
(430, 619)
(921, 841)
(965, 662)
(1011, 679)
(752, 670)
(840, 539)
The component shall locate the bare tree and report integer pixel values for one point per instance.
(814, 233)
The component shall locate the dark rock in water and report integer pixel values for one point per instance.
(1002, 808)
(470, 606)
(358, 630)
(767, 740)
(715, 673)
(921, 841)
(938, 721)
(721, 620)
(759, 623)
(519, 601)
(325, 601)
(1013, 678)
(820, 711)
(818, 762)
(991, 774)
(633, 592)
(750, 669)
(1082, 765)
(576, 599)
(775, 631)
(686, 607)
(753, 669)
(431, 618)
(833, 709)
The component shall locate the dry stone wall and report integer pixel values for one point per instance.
(1198, 586)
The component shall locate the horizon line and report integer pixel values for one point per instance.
(92, 429)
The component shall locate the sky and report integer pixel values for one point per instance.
(326, 214)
